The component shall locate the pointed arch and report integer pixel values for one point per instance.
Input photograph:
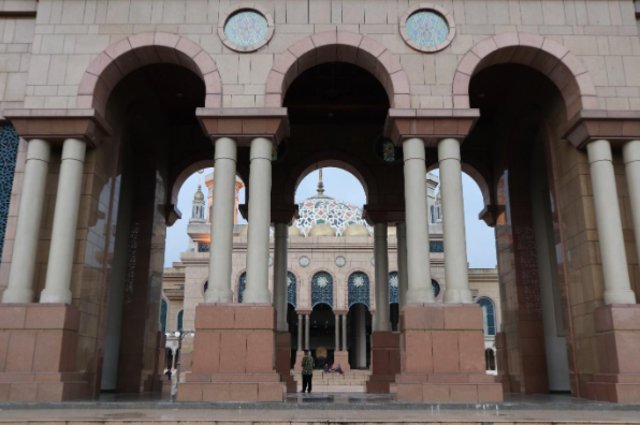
(542, 54)
(136, 51)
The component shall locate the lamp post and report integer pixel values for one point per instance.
(174, 343)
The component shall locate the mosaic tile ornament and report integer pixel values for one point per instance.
(394, 289)
(322, 289)
(426, 29)
(9, 141)
(323, 209)
(246, 29)
(292, 283)
(358, 284)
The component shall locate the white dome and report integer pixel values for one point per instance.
(324, 210)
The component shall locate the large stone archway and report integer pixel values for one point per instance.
(134, 52)
(542, 54)
(338, 46)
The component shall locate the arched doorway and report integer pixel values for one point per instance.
(359, 320)
(531, 275)
(155, 135)
(322, 321)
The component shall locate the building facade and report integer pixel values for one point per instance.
(330, 279)
(107, 106)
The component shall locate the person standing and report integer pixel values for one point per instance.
(307, 371)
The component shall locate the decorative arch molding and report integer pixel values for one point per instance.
(338, 46)
(542, 54)
(136, 51)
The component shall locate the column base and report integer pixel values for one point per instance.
(341, 358)
(385, 361)
(234, 355)
(297, 367)
(283, 360)
(38, 343)
(442, 356)
(618, 342)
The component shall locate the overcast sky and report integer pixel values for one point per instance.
(341, 185)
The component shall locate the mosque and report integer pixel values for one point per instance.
(106, 108)
(330, 293)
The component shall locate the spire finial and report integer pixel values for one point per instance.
(320, 184)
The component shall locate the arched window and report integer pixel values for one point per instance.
(292, 284)
(490, 359)
(242, 283)
(488, 315)
(394, 289)
(163, 315)
(180, 319)
(436, 288)
(205, 287)
(322, 289)
(358, 289)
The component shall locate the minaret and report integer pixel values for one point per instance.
(320, 185)
(197, 210)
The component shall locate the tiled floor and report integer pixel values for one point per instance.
(324, 408)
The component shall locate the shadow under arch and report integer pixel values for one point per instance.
(338, 46)
(546, 56)
(136, 51)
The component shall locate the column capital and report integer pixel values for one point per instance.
(618, 127)
(431, 125)
(57, 125)
(244, 124)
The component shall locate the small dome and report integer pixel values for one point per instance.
(322, 229)
(198, 196)
(294, 231)
(356, 229)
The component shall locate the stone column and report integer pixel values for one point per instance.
(381, 322)
(224, 174)
(344, 332)
(403, 282)
(455, 249)
(415, 194)
(280, 276)
(20, 287)
(65, 219)
(257, 290)
(631, 154)
(300, 325)
(336, 332)
(307, 327)
(612, 250)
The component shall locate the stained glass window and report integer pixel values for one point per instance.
(8, 148)
(394, 291)
(246, 29)
(427, 29)
(292, 283)
(489, 315)
(436, 246)
(358, 289)
(322, 289)
(242, 283)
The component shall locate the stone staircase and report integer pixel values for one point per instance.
(353, 381)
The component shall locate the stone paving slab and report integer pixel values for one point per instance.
(302, 415)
